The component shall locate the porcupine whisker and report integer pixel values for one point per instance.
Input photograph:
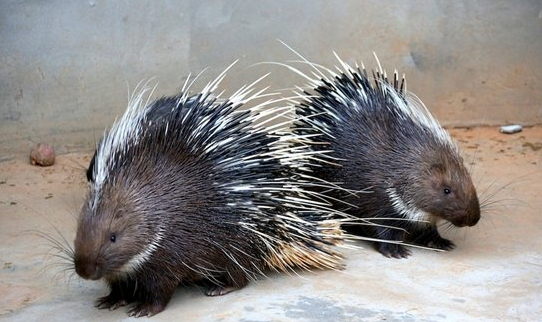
(473, 159)
(62, 245)
(488, 206)
(446, 226)
(487, 196)
(58, 249)
(63, 265)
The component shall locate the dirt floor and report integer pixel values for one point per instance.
(494, 274)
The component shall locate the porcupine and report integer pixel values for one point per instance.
(386, 143)
(191, 187)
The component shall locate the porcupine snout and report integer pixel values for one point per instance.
(469, 216)
(473, 212)
(87, 268)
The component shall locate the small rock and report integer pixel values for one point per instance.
(43, 155)
(510, 129)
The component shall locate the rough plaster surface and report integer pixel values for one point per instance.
(494, 274)
(66, 66)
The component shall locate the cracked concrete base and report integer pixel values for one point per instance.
(494, 274)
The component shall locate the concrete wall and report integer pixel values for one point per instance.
(66, 66)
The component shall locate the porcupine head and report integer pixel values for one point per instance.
(433, 183)
(114, 232)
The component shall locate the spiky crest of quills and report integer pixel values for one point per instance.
(264, 169)
(353, 87)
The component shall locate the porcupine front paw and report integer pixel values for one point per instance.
(111, 302)
(393, 250)
(431, 238)
(440, 243)
(146, 309)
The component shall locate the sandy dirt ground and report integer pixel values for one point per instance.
(494, 274)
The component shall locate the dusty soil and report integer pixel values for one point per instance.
(494, 274)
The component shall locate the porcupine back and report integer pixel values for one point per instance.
(385, 142)
(193, 187)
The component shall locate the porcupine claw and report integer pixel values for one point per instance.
(146, 309)
(110, 302)
(393, 250)
(442, 243)
(431, 238)
(220, 290)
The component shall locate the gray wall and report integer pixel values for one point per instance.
(66, 66)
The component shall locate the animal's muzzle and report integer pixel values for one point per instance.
(87, 269)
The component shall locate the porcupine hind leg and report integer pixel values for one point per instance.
(231, 281)
(430, 237)
(228, 286)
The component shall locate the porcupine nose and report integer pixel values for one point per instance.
(87, 269)
(473, 212)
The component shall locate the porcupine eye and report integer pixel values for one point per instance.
(447, 191)
(113, 238)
